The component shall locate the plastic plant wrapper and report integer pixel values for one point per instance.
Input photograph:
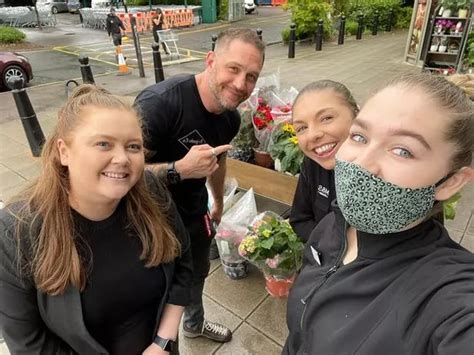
(233, 228)
(285, 150)
(273, 246)
(245, 139)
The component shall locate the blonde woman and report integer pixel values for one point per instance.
(94, 258)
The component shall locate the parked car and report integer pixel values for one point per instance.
(249, 6)
(73, 6)
(55, 5)
(13, 64)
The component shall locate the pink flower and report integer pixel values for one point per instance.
(272, 262)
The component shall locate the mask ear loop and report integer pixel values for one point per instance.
(445, 178)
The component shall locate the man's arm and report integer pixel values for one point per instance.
(198, 163)
(216, 184)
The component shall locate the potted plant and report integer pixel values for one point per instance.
(245, 139)
(263, 125)
(463, 6)
(273, 246)
(449, 7)
(285, 151)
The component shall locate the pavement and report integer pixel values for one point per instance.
(257, 320)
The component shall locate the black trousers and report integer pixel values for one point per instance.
(201, 233)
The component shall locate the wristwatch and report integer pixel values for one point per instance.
(166, 344)
(172, 175)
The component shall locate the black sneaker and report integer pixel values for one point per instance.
(210, 330)
(213, 251)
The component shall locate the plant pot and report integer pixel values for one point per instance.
(462, 13)
(263, 159)
(235, 270)
(442, 48)
(447, 13)
(278, 287)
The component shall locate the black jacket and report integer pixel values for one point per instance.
(35, 323)
(313, 197)
(406, 293)
(114, 24)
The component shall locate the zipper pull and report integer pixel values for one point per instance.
(331, 271)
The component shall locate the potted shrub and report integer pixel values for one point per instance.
(449, 7)
(463, 6)
(273, 246)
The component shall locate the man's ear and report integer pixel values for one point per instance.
(63, 151)
(210, 59)
(454, 184)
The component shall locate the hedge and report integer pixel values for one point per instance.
(11, 35)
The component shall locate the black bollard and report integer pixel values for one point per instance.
(86, 71)
(375, 27)
(360, 26)
(292, 41)
(342, 30)
(389, 21)
(319, 35)
(138, 48)
(260, 33)
(157, 63)
(30, 123)
(214, 39)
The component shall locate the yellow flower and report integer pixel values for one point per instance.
(294, 140)
(266, 233)
(248, 245)
(289, 128)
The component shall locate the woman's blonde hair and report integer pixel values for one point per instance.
(46, 216)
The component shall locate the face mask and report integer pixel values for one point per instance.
(375, 206)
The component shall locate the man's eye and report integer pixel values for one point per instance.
(233, 69)
(356, 137)
(403, 153)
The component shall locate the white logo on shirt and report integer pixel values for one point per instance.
(323, 191)
(191, 139)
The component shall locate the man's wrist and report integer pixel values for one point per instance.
(178, 165)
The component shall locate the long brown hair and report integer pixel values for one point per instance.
(45, 214)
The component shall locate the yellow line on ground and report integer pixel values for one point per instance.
(59, 49)
(203, 29)
(64, 81)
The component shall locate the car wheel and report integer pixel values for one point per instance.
(13, 70)
(54, 10)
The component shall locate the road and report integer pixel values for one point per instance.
(58, 61)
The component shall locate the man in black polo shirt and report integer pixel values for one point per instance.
(188, 122)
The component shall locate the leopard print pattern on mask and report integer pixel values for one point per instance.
(375, 206)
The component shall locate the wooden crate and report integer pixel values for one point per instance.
(268, 183)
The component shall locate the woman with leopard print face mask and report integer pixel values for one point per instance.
(380, 274)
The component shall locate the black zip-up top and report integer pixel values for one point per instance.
(313, 196)
(407, 293)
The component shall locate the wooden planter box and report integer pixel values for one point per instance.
(266, 182)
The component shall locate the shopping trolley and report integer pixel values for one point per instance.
(169, 38)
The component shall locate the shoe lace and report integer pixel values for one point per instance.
(216, 328)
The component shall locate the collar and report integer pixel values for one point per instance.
(380, 246)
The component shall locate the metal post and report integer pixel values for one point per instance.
(157, 63)
(292, 41)
(375, 27)
(214, 39)
(342, 30)
(360, 26)
(30, 123)
(319, 35)
(138, 50)
(86, 71)
(260, 33)
(390, 21)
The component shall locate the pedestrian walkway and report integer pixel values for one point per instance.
(257, 320)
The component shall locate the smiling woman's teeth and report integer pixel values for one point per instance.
(115, 175)
(325, 148)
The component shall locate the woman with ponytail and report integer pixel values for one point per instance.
(94, 258)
